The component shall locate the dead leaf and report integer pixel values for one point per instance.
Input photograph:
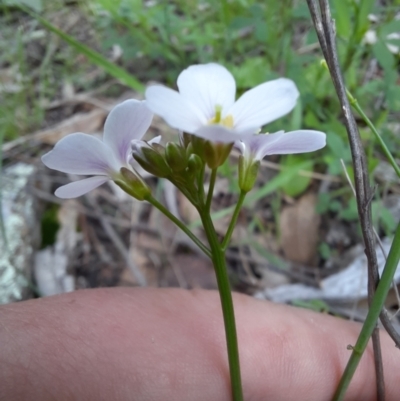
(299, 230)
(81, 122)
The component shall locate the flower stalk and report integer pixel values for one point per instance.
(218, 259)
(232, 224)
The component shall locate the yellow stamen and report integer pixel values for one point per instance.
(226, 121)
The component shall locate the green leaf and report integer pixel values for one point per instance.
(350, 213)
(323, 203)
(297, 185)
(95, 57)
(315, 304)
(342, 17)
(325, 251)
(388, 221)
(383, 55)
(35, 5)
(251, 72)
(337, 146)
(365, 7)
(297, 117)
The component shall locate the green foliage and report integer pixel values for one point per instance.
(95, 57)
(297, 185)
(324, 250)
(35, 5)
(49, 226)
(315, 304)
(257, 42)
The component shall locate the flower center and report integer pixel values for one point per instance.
(217, 119)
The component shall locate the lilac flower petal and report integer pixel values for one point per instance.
(206, 86)
(177, 111)
(217, 133)
(220, 133)
(263, 104)
(301, 141)
(241, 147)
(156, 139)
(81, 187)
(127, 121)
(81, 154)
(254, 145)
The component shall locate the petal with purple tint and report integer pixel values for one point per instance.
(208, 86)
(254, 145)
(263, 104)
(280, 143)
(81, 154)
(156, 139)
(217, 133)
(301, 141)
(174, 109)
(81, 187)
(128, 121)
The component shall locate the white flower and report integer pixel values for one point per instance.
(256, 147)
(205, 104)
(86, 155)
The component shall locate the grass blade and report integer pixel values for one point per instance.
(95, 57)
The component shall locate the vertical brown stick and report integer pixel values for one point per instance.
(326, 36)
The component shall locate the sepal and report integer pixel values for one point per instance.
(248, 171)
(215, 153)
(175, 156)
(152, 158)
(133, 184)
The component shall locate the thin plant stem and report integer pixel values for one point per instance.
(372, 316)
(353, 101)
(218, 258)
(232, 224)
(211, 189)
(200, 182)
(181, 225)
(384, 316)
(324, 26)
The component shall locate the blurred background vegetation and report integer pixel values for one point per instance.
(257, 41)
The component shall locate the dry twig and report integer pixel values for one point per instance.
(324, 27)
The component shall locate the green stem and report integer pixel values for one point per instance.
(377, 304)
(181, 225)
(353, 101)
(211, 189)
(200, 183)
(232, 224)
(218, 258)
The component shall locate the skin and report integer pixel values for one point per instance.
(168, 344)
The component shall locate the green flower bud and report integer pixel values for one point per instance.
(215, 154)
(133, 184)
(198, 146)
(151, 158)
(176, 157)
(247, 173)
(195, 164)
